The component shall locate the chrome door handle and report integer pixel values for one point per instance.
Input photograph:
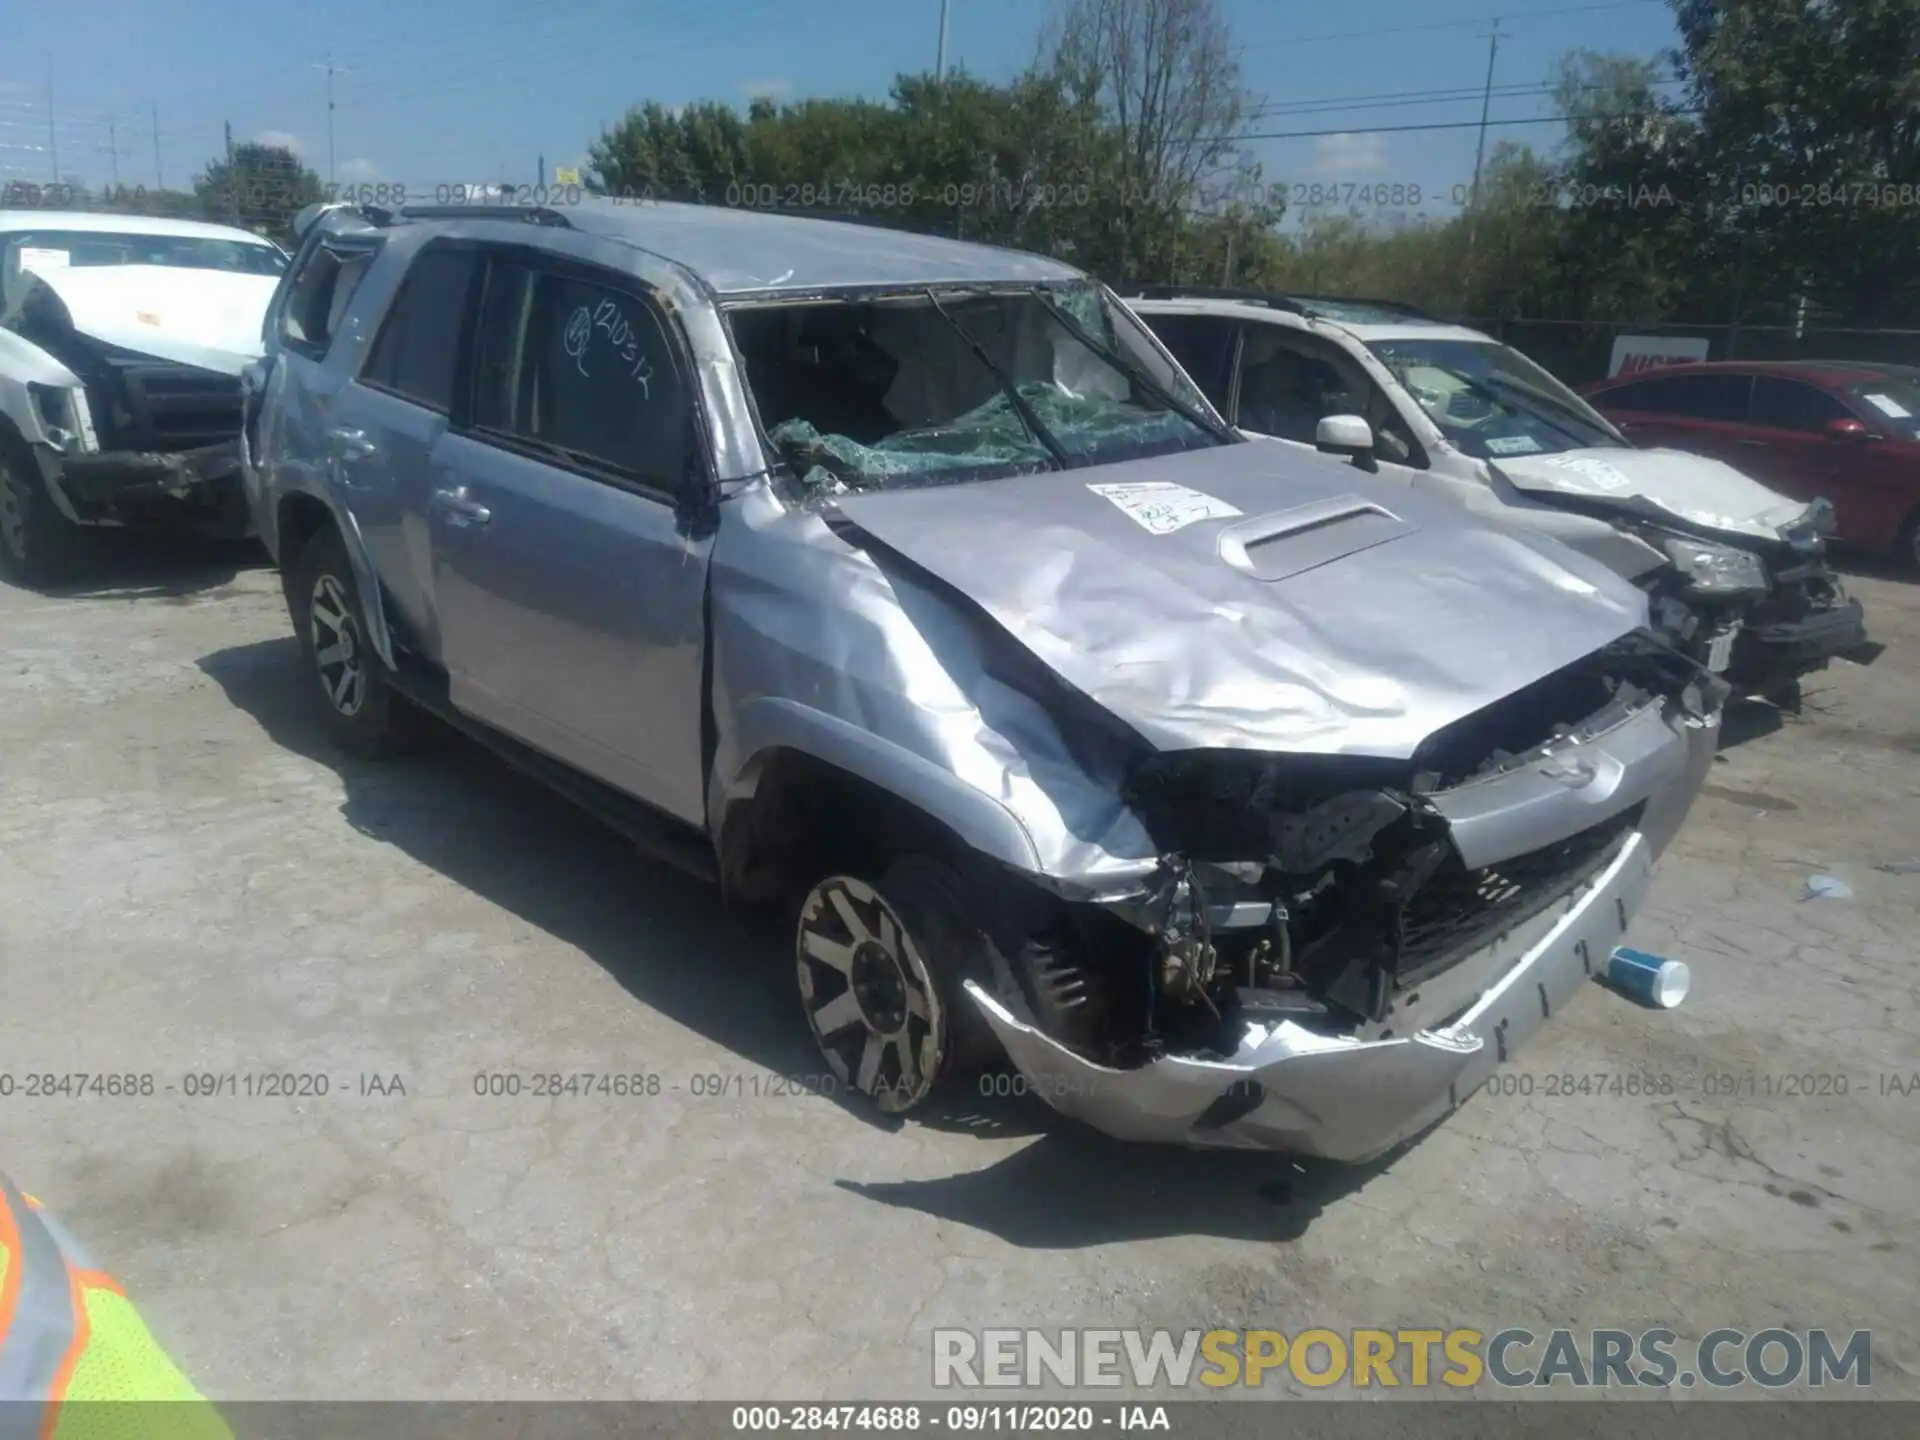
(353, 444)
(461, 510)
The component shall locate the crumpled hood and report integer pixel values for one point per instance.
(1248, 596)
(209, 318)
(1703, 492)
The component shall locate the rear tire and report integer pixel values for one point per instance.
(1908, 547)
(880, 967)
(39, 547)
(361, 710)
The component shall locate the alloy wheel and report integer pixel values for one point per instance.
(339, 653)
(870, 999)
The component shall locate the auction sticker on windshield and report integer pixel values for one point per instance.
(1512, 444)
(1597, 471)
(1162, 506)
(40, 259)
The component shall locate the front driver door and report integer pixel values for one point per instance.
(570, 566)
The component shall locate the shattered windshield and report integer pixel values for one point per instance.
(936, 386)
(77, 249)
(1490, 401)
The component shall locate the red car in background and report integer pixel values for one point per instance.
(1847, 430)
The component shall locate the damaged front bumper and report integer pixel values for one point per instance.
(1350, 1097)
(1806, 642)
(114, 476)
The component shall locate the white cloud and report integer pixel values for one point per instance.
(766, 89)
(1347, 157)
(357, 171)
(279, 139)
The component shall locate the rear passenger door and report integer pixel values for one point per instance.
(385, 424)
(570, 527)
(309, 350)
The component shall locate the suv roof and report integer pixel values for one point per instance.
(739, 252)
(1352, 309)
(95, 221)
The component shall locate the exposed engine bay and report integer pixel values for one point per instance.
(1328, 890)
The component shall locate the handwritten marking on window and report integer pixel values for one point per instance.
(578, 332)
(606, 319)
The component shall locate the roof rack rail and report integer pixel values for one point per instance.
(1298, 304)
(1368, 302)
(531, 214)
(1208, 292)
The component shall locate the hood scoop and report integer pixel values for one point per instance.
(1289, 542)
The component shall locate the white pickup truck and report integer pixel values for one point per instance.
(122, 339)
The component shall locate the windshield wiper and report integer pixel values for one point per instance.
(1133, 370)
(1533, 392)
(1019, 402)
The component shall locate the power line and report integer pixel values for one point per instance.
(1460, 125)
(1431, 25)
(1395, 100)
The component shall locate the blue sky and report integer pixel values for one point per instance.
(437, 93)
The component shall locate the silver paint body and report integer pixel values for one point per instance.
(1334, 615)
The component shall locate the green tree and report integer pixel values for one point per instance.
(692, 153)
(1810, 143)
(261, 187)
(1166, 81)
(1642, 235)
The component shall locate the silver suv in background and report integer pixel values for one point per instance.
(1737, 573)
(1238, 797)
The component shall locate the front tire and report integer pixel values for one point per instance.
(39, 547)
(362, 712)
(880, 967)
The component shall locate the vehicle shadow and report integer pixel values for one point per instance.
(129, 565)
(463, 813)
(726, 973)
(1863, 565)
(1747, 719)
(1075, 1187)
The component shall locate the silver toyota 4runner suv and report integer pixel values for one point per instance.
(1237, 798)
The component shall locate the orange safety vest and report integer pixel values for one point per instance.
(76, 1361)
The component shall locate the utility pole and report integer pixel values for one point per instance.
(1480, 154)
(940, 59)
(233, 189)
(331, 70)
(53, 137)
(113, 152)
(541, 188)
(158, 182)
(1486, 100)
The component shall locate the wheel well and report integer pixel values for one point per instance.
(1909, 529)
(300, 518)
(805, 818)
(12, 441)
